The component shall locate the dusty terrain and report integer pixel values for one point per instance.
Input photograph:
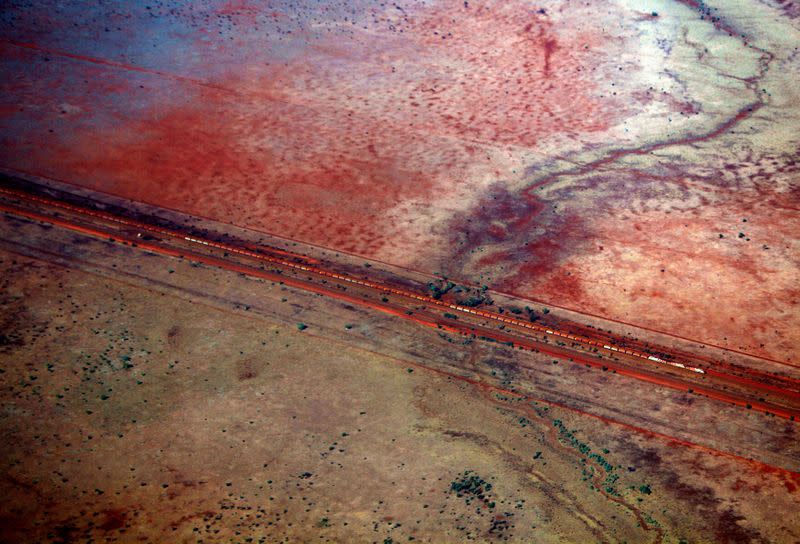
(626, 170)
(632, 160)
(141, 408)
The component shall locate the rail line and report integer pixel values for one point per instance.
(341, 277)
(517, 331)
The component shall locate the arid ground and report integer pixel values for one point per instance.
(136, 411)
(631, 167)
(603, 156)
(152, 398)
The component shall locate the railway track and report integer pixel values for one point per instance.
(749, 388)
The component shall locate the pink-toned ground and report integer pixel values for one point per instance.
(586, 156)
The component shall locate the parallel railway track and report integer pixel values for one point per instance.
(745, 387)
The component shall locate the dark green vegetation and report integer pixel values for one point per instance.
(471, 487)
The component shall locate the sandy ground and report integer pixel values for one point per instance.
(133, 412)
(632, 160)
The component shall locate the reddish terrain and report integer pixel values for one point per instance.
(182, 403)
(428, 270)
(270, 145)
(570, 154)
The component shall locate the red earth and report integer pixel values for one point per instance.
(499, 143)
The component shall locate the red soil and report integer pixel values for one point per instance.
(332, 145)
